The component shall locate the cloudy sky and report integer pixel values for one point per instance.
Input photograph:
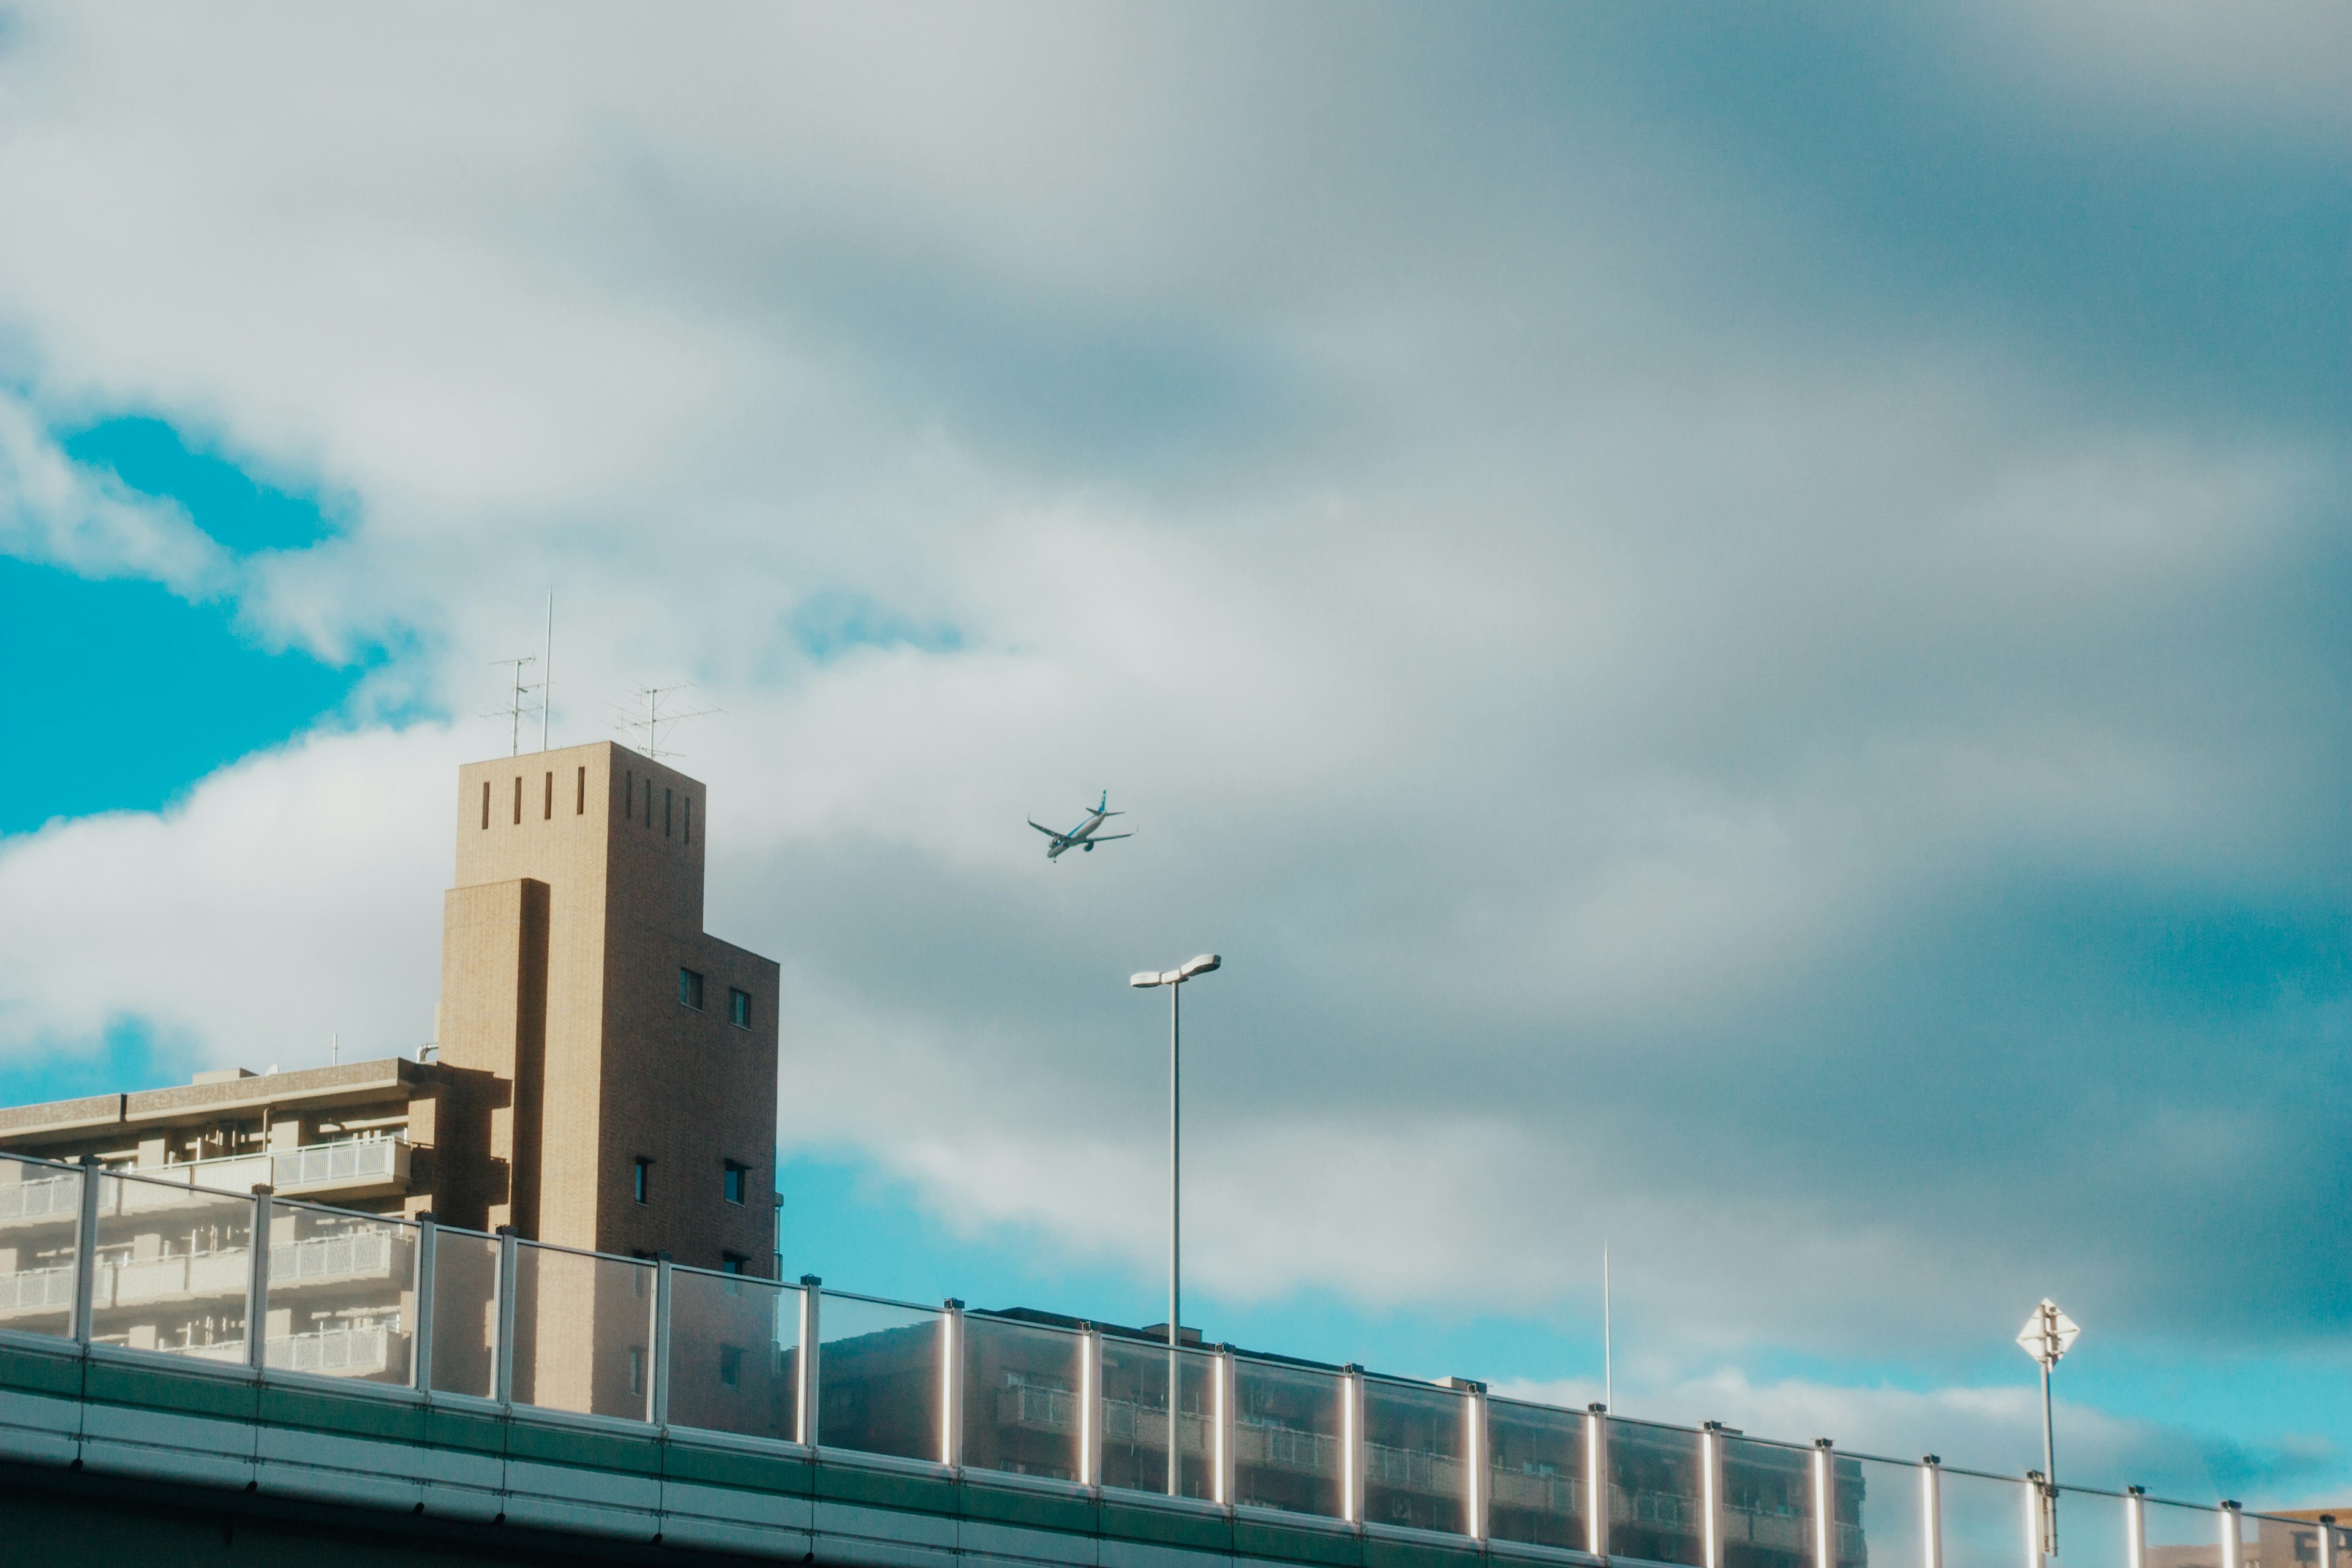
(1737, 624)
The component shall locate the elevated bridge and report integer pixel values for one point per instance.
(188, 1375)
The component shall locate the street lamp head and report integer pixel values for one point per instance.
(1176, 977)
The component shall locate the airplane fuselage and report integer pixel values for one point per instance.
(1082, 836)
(1077, 836)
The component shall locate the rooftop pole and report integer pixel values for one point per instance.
(547, 673)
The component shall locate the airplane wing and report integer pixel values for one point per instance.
(1046, 831)
(1106, 837)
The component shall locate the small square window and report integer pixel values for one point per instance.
(645, 1178)
(690, 989)
(739, 1008)
(732, 1262)
(730, 1364)
(734, 1188)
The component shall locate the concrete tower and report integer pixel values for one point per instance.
(633, 1056)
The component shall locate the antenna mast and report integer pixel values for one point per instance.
(547, 674)
(1608, 1362)
(518, 703)
(651, 696)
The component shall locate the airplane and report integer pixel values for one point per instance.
(1083, 836)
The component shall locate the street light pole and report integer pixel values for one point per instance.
(1174, 979)
(1175, 1210)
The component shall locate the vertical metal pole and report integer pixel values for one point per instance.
(257, 1283)
(2233, 1542)
(1175, 1237)
(811, 1304)
(86, 1251)
(2049, 1450)
(1222, 1369)
(2136, 1529)
(420, 1353)
(1474, 1462)
(951, 1384)
(547, 674)
(1596, 1479)
(658, 1347)
(2033, 1505)
(1608, 1357)
(1824, 1504)
(1351, 1443)
(1091, 1406)
(1710, 1494)
(502, 1356)
(1931, 1512)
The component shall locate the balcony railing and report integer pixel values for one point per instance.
(381, 1301)
(333, 1352)
(40, 1198)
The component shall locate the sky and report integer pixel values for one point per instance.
(1733, 621)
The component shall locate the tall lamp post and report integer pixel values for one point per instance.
(1175, 980)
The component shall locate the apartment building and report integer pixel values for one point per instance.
(604, 1078)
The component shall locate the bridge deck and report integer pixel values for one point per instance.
(452, 1473)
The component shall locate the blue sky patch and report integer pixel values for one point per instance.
(228, 504)
(829, 625)
(139, 693)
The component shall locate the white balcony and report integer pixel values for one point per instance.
(36, 1291)
(361, 1167)
(378, 1353)
(40, 1198)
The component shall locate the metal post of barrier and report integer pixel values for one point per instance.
(2233, 1538)
(951, 1384)
(2036, 1507)
(811, 1304)
(420, 1355)
(658, 1342)
(1091, 1406)
(1711, 1461)
(1222, 1369)
(1931, 1511)
(1824, 1503)
(86, 1251)
(256, 1282)
(1474, 1455)
(502, 1353)
(1596, 1479)
(1351, 1443)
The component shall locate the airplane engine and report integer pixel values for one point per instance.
(1090, 848)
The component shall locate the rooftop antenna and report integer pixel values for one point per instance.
(547, 674)
(655, 720)
(519, 703)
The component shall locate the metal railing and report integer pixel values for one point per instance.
(460, 1315)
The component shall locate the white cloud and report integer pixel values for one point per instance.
(53, 511)
(287, 900)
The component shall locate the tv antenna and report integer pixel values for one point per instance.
(547, 674)
(654, 721)
(520, 703)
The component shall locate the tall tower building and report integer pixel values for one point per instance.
(629, 1055)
